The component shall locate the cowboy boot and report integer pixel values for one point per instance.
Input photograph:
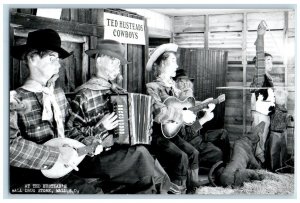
(193, 181)
(178, 187)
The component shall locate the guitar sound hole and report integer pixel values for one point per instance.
(184, 108)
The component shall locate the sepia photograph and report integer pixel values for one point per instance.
(173, 101)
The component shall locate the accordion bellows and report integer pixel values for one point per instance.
(134, 113)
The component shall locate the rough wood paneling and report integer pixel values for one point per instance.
(226, 23)
(190, 40)
(225, 40)
(274, 20)
(234, 55)
(189, 24)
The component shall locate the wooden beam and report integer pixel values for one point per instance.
(159, 33)
(172, 40)
(63, 36)
(206, 35)
(244, 62)
(71, 27)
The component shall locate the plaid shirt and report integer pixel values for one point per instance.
(28, 132)
(159, 92)
(88, 108)
(279, 119)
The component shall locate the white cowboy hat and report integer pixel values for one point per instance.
(159, 51)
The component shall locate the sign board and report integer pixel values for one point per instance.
(124, 29)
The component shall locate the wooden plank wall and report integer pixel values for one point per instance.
(226, 32)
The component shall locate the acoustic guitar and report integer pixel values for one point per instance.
(171, 128)
(60, 169)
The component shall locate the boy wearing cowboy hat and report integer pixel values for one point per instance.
(214, 146)
(184, 83)
(42, 117)
(132, 167)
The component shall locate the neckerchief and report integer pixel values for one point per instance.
(169, 83)
(98, 83)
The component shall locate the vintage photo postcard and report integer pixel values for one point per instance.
(146, 100)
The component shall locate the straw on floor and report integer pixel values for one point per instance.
(273, 184)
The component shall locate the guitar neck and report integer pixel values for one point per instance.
(260, 60)
(86, 149)
(91, 148)
(201, 106)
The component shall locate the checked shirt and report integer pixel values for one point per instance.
(27, 138)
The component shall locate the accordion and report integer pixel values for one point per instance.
(134, 113)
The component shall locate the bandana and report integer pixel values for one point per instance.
(98, 83)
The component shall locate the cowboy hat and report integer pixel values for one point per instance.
(43, 39)
(181, 74)
(159, 51)
(110, 48)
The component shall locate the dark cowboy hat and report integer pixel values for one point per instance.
(43, 39)
(180, 73)
(159, 51)
(110, 48)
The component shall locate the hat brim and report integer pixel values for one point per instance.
(19, 51)
(184, 77)
(212, 177)
(159, 51)
(93, 52)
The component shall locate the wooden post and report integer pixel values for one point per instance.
(125, 70)
(244, 63)
(206, 34)
(145, 56)
(85, 60)
(285, 31)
